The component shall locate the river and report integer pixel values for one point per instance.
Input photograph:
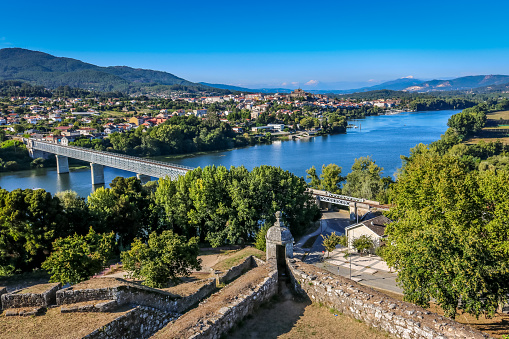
(384, 138)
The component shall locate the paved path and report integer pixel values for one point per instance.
(367, 270)
(381, 280)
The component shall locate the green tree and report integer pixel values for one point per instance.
(315, 180)
(449, 237)
(331, 178)
(362, 243)
(330, 242)
(29, 222)
(165, 256)
(365, 180)
(126, 208)
(76, 258)
(76, 210)
(307, 123)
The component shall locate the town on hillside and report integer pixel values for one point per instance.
(65, 120)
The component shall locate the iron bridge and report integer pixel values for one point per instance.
(153, 168)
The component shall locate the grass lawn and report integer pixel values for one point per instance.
(494, 131)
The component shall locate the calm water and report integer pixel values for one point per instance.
(384, 138)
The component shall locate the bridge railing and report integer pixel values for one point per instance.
(339, 196)
(126, 162)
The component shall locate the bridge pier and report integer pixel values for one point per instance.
(143, 178)
(97, 172)
(34, 154)
(62, 164)
(358, 210)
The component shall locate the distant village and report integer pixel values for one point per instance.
(64, 120)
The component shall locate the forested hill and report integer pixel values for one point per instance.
(43, 69)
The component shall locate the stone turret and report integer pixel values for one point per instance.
(279, 235)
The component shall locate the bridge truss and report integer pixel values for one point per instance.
(153, 168)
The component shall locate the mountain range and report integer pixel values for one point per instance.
(50, 71)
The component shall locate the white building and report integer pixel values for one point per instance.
(373, 228)
(277, 127)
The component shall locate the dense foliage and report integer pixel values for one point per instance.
(229, 206)
(29, 222)
(126, 208)
(163, 256)
(434, 104)
(450, 237)
(76, 258)
(214, 204)
(177, 135)
(14, 156)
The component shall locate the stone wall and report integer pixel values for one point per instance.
(185, 303)
(16, 299)
(140, 322)
(235, 271)
(219, 313)
(70, 296)
(137, 295)
(226, 317)
(257, 262)
(376, 309)
(3, 290)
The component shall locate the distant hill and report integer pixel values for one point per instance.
(462, 83)
(230, 87)
(394, 85)
(40, 68)
(251, 90)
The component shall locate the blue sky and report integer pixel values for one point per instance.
(321, 44)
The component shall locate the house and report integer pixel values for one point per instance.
(137, 120)
(259, 128)
(277, 127)
(87, 130)
(64, 128)
(238, 129)
(53, 138)
(111, 129)
(200, 112)
(373, 227)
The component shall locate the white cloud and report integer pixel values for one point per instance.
(409, 77)
(312, 82)
(295, 83)
(371, 80)
(284, 84)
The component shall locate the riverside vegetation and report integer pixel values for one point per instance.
(159, 224)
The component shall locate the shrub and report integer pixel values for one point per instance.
(362, 243)
(260, 238)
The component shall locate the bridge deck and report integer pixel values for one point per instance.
(344, 200)
(129, 163)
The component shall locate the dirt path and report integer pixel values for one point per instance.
(292, 318)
